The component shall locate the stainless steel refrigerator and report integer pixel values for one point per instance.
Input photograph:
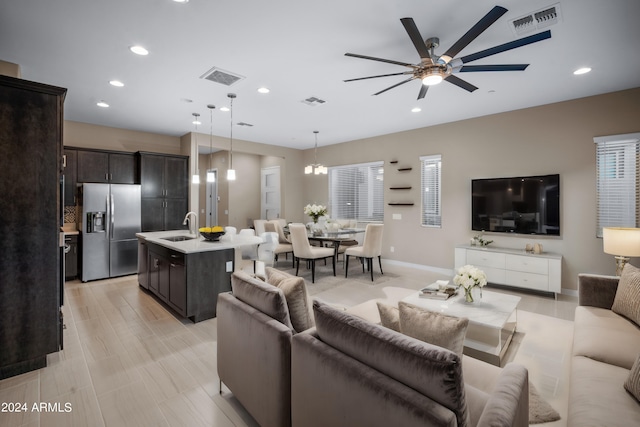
(110, 220)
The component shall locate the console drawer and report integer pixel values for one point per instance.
(527, 264)
(527, 280)
(485, 259)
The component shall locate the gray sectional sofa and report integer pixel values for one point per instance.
(348, 371)
(605, 347)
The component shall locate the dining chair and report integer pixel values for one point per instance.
(371, 247)
(303, 250)
(248, 252)
(258, 225)
(284, 246)
(266, 252)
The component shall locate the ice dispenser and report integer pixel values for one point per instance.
(95, 222)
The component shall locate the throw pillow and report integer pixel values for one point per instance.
(295, 293)
(389, 316)
(632, 384)
(435, 328)
(627, 299)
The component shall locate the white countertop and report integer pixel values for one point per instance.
(198, 244)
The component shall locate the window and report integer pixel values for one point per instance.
(431, 187)
(357, 192)
(617, 177)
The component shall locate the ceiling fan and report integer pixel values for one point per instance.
(432, 68)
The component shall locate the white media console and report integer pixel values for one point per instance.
(513, 267)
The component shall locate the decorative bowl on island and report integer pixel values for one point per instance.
(212, 234)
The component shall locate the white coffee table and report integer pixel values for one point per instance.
(492, 321)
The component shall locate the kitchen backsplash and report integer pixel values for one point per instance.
(70, 214)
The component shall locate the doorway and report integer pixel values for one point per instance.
(212, 199)
(270, 192)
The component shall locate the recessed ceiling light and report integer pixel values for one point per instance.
(224, 109)
(139, 50)
(584, 70)
(181, 1)
(116, 83)
(102, 104)
(263, 90)
(416, 110)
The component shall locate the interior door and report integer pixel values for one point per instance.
(270, 192)
(212, 200)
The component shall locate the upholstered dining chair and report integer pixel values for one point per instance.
(303, 250)
(284, 246)
(371, 247)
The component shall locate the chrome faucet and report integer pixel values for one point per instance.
(193, 224)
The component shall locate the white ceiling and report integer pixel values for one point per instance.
(296, 49)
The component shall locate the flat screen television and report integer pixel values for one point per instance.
(519, 205)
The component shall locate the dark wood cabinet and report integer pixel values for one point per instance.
(189, 283)
(165, 185)
(103, 166)
(31, 118)
(71, 257)
(70, 177)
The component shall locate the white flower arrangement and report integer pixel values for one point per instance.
(315, 211)
(469, 277)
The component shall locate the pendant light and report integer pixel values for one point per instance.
(195, 179)
(231, 172)
(211, 177)
(315, 168)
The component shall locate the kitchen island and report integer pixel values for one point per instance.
(186, 272)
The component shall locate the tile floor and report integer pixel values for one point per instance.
(128, 361)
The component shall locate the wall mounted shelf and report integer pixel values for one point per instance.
(399, 204)
(404, 169)
(400, 188)
(393, 162)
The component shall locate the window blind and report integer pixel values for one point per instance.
(357, 192)
(617, 179)
(431, 173)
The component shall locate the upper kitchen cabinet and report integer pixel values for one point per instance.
(107, 167)
(31, 120)
(165, 186)
(70, 176)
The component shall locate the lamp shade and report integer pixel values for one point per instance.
(621, 241)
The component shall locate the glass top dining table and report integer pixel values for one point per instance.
(335, 237)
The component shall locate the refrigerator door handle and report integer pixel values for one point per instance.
(113, 214)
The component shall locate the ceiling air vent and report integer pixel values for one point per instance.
(244, 124)
(538, 20)
(223, 77)
(313, 101)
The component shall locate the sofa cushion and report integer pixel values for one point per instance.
(597, 396)
(435, 328)
(603, 335)
(431, 370)
(627, 300)
(389, 316)
(295, 293)
(632, 384)
(261, 296)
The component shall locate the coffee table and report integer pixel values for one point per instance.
(492, 321)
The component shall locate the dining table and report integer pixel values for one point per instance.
(334, 237)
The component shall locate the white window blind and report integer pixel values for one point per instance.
(357, 192)
(617, 178)
(431, 167)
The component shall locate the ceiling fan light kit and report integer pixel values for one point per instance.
(433, 68)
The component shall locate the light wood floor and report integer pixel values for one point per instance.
(128, 361)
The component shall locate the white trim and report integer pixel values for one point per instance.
(625, 137)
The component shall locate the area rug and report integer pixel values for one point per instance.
(540, 411)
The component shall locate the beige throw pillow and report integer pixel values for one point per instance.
(389, 316)
(627, 299)
(435, 328)
(632, 384)
(295, 293)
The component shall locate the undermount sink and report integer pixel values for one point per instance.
(178, 238)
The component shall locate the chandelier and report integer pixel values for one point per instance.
(315, 168)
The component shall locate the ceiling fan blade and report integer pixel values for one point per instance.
(381, 75)
(460, 83)
(395, 85)
(423, 91)
(507, 46)
(508, 67)
(416, 38)
(491, 17)
(389, 61)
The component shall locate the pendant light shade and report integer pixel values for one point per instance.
(211, 177)
(315, 168)
(195, 179)
(231, 173)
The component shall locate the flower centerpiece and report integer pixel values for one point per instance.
(470, 277)
(479, 240)
(315, 211)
